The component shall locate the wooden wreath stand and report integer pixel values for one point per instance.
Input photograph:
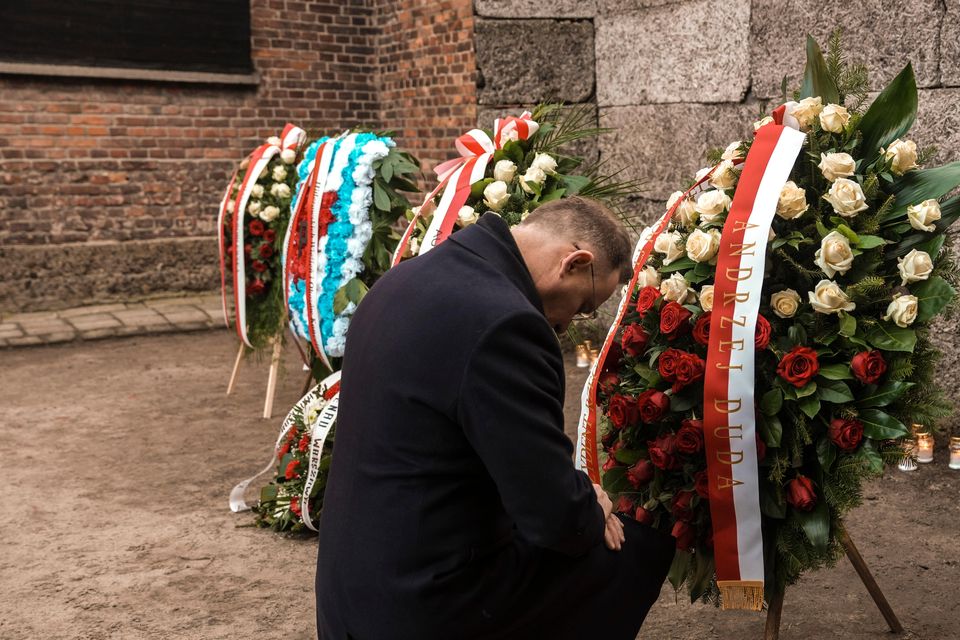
(775, 608)
(271, 377)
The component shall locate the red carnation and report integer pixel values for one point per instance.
(868, 366)
(608, 381)
(284, 450)
(800, 493)
(256, 287)
(259, 267)
(846, 433)
(291, 471)
(762, 336)
(295, 505)
(634, 340)
(640, 473)
(674, 320)
(256, 228)
(624, 505)
(622, 411)
(667, 363)
(690, 369)
(646, 299)
(643, 516)
(304, 443)
(265, 251)
(690, 437)
(653, 405)
(684, 533)
(663, 452)
(269, 236)
(701, 329)
(799, 366)
(701, 483)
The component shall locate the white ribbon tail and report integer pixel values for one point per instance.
(321, 429)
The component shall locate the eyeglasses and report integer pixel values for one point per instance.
(593, 300)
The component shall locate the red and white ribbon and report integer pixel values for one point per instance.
(728, 397)
(291, 138)
(458, 175)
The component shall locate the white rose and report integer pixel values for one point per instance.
(903, 310)
(495, 195)
(706, 297)
(467, 216)
(793, 201)
(725, 176)
(806, 111)
(903, 154)
(828, 297)
(264, 173)
(762, 122)
(545, 162)
(837, 165)
(834, 255)
(280, 190)
(279, 173)
(923, 215)
(711, 205)
(771, 236)
(847, 197)
(254, 207)
(532, 176)
(685, 214)
(834, 118)
(257, 191)
(504, 171)
(269, 214)
(700, 174)
(231, 206)
(733, 151)
(676, 289)
(915, 266)
(785, 303)
(414, 246)
(648, 278)
(702, 246)
(274, 140)
(670, 245)
(288, 156)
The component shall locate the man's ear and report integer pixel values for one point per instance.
(576, 260)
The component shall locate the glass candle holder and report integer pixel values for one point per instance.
(924, 447)
(908, 462)
(583, 356)
(594, 354)
(955, 453)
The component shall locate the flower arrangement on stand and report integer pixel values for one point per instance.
(857, 265)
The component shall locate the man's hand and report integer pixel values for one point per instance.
(613, 528)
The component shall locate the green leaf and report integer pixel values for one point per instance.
(386, 169)
(849, 233)
(836, 372)
(848, 324)
(871, 242)
(884, 394)
(924, 184)
(822, 230)
(628, 456)
(871, 457)
(574, 184)
(682, 264)
(771, 505)
(356, 290)
(809, 405)
(826, 453)
(613, 478)
(380, 197)
(932, 295)
(771, 402)
(476, 189)
(679, 568)
(771, 430)
(834, 391)
(889, 337)
(933, 245)
(555, 194)
(881, 426)
(891, 115)
(514, 150)
(797, 334)
(816, 78)
(702, 575)
(684, 402)
(807, 390)
(816, 524)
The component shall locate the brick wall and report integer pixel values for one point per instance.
(108, 188)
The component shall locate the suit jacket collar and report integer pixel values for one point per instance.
(490, 238)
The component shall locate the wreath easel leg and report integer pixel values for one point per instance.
(272, 379)
(236, 368)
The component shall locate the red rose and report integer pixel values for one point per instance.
(284, 450)
(608, 381)
(608, 438)
(614, 355)
(762, 336)
(256, 287)
(701, 483)
(846, 434)
(295, 505)
(689, 370)
(259, 267)
(701, 329)
(640, 474)
(799, 366)
(761, 448)
(304, 443)
(611, 463)
(800, 494)
(256, 228)
(681, 506)
(653, 404)
(643, 516)
(269, 236)
(667, 364)
(868, 366)
(690, 437)
(624, 505)
(646, 299)
(247, 249)
(674, 320)
(265, 251)
(291, 471)
(622, 411)
(684, 533)
(634, 340)
(663, 452)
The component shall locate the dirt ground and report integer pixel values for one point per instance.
(116, 459)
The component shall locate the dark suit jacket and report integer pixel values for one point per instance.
(449, 445)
